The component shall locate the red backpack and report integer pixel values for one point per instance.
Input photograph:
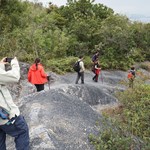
(130, 75)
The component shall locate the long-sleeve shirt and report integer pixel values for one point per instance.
(6, 102)
(82, 68)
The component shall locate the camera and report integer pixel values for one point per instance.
(8, 60)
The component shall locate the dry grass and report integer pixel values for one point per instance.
(112, 111)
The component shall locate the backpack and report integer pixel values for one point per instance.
(131, 74)
(76, 66)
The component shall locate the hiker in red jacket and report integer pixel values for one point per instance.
(37, 75)
(96, 70)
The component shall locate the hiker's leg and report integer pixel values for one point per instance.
(78, 77)
(2, 140)
(82, 77)
(19, 130)
(39, 87)
(130, 83)
(22, 140)
(96, 79)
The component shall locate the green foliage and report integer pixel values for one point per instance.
(11, 14)
(115, 35)
(64, 65)
(136, 110)
(129, 129)
(112, 139)
(29, 30)
(145, 65)
(141, 35)
(61, 65)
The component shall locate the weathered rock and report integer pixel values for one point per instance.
(63, 117)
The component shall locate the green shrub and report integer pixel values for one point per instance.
(145, 66)
(136, 110)
(129, 129)
(110, 140)
(61, 66)
(64, 65)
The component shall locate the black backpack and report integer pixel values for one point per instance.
(76, 66)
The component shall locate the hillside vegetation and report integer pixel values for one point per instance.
(129, 129)
(58, 35)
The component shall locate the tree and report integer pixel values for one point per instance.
(117, 41)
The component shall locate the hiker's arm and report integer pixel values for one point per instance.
(96, 67)
(29, 75)
(43, 74)
(12, 75)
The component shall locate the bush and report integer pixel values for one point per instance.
(64, 65)
(145, 65)
(136, 110)
(130, 128)
(61, 66)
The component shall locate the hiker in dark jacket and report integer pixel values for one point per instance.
(80, 73)
(95, 57)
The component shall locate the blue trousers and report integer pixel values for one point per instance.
(18, 130)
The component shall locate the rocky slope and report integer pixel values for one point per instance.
(62, 117)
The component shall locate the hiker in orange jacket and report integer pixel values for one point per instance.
(37, 75)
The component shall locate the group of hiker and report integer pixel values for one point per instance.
(96, 69)
(11, 122)
(79, 68)
(14, 124)
(38, 76)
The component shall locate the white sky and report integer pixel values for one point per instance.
(140, 7)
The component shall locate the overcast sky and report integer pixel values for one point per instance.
(141, 7)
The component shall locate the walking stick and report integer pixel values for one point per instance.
(48, 78)
(101, 77)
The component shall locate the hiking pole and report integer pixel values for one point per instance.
(48, 78)
(101, 77)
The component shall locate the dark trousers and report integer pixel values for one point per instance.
(80, 75)
(95, 78)
(39, 87)
(18, 130)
